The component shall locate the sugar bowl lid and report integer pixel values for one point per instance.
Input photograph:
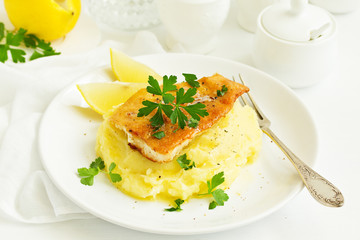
(297, 21)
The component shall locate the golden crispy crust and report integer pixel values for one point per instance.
(125, 117)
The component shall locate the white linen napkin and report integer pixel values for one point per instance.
(26, 192)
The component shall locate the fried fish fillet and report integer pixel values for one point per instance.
(139, 130)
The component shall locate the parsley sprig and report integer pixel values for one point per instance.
(87, 174)
(191, 79)
(222, 92)
(159, 135)
(185, 163)
(157, 120)
(14, 42)
(218, 194)
(172, 107)
(177, 208)
(193, 123)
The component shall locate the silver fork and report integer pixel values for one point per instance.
(320, 188)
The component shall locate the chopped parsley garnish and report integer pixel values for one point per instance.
(193, 123)
(191, 79)
(185, 163)
(87, 174)
(218, 194)
(177, 208)
(222, 92)
(16, 41)
(159, 135)
(172, 107)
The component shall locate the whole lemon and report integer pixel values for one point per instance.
(47, 19)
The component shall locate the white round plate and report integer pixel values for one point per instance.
(67, 142)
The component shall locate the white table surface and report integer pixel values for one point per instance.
(335, 106)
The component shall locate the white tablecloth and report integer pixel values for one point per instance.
(335, 107)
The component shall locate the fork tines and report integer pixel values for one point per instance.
(244, 101)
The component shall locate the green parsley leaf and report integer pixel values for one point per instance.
(2, 31)
(168, 98)
(179, 117)
(86, 172)
(112, 166)
(196, 110)
(216, 180)
(191, 79)
(177, 208)
(87, 175)
(159, 135)
(212, 205)
(193, 123)
(186, 97)
(219, 195)
(154, 87)
(167, 109)
(89, 181)
(222, 92)
(15, 39)
(157, 120)
(98, 163)
(149, 107)
(114, 176)
(3, 53)
(17, 55)
(169, 83)
(30, 40)
(44, 48)
(36, 55)
(185, 163)
(43, 45)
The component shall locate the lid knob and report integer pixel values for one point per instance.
(298, 6)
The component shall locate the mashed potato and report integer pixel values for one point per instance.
(231, 143)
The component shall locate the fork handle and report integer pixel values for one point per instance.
(320, 188)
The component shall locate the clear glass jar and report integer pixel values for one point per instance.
(124, 14)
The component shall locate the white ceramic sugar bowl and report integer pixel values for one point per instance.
(296, 42)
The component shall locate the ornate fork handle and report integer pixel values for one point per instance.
(320, 188)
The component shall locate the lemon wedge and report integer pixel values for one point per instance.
(47, 19)
(102, 97)
(128, 70)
